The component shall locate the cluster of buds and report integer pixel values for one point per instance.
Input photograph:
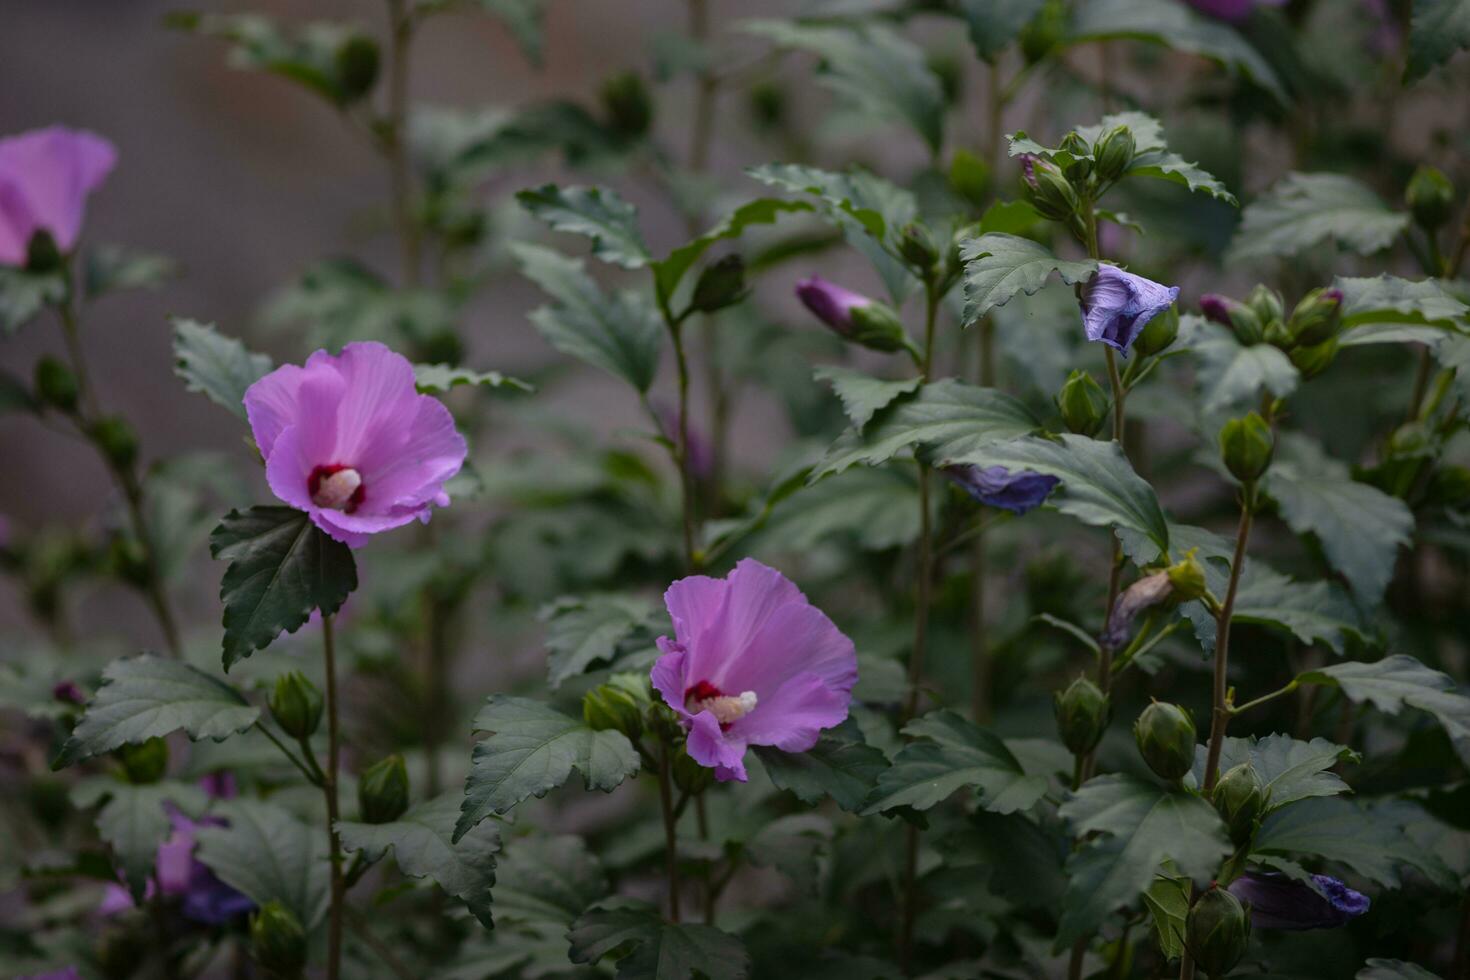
(1308, 336)
(1082, 171)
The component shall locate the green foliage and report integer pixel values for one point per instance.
(596, 213)
(1306, 210)
(1289, 769)
(282, 567)
(132, 820)
(435, 379)
(658, 950)
(593, 630)
(216, 366)
(841, 766)
(949, 754)
(998, 266)
(994, 24)
(269, 855)
(1439, 29)
(1399, 682)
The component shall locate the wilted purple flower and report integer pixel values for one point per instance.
(45, 177)
(349, 440)
(751, 663)
(832, 304)
(1280, 902)
(1146, 593)
(1117, 305)
(178, 874)
(996, 486)
(1231, 10)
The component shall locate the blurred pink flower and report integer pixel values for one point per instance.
(45, 177)
(751, 663)
(349, 440)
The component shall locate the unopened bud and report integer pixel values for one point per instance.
(690, 776)
(1082, 713)
(612, 707)
(1114, 153)
(1267, 303)
(357, 67)
(721, 284)
(1187, 576)
(1240, 799)
(144, 762)
(1247, 324)
(56, 386)
(1316, 318)
(917, 247)
(117, 440)
(1047, 188)
(1217, 932)
(1246, 445)
(1082, 403)
(628, 106)
(877, 327)
(1165, 735)
(1159, 333)
(296, 705)
(1430, 196)
(1312, 361)
(382, 791)
(278, 942)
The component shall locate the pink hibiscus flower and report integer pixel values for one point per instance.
(45, 177)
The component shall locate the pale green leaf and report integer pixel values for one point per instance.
(1306, 210)
(214, 365)
(862, 394)
(998, 266)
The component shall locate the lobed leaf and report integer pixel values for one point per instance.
(1400, 681)
(596, 213)
(658, 950)
(998, 266)
(841, 765)
(949, 754)
(218, 367)
(1306, 210)
(267, 854)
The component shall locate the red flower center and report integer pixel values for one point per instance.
(336, 487)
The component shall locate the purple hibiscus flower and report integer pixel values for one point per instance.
(996, 486)
(1231, 10)
(1117, 305)
(1279, 902)
(751, 663)
(349, 440)
(831, 304)
(45, 177)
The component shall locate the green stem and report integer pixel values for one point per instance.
(671, 839)
(311, 773)
(1221, 716)
(329, 789)
(681, 444)
(982, 663)
(1240, 709)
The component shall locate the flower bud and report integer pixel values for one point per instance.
(356, 62)
(56, 386)
(1247, 324)
(627, 104)
(382, 791)
(1430, 196)
(1217, 932)
(1246, 445)
(278, 942)
(917, 247)
(1082, 403)
(609, 706)
(721, 284)
(877, 327)
(1165, 735)
(1187, 576)
(1312, 361)
(1278, 336)
(1047, 189)
(1267, 303)
(42, 252)
(852, 315)
(1082, 713)
(1316, 318)
(144, 762)
(128, 560)
(1044, 32)
(117, 440)
(1158, 333)
(1114, 153)
(296, 705)
(1240, 799)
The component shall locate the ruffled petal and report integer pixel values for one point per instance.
(379, 402)
(795, 639)
(709, 746)
(414, 473)
(270, 405)
(288, 470)
(792, 718)
(669, 677)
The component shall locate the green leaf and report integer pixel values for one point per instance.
(111, 268)
(792, 845)
(862, 394)
(219, 367)
(945, 419)
(23, 295)
(1378, 968)
(881, 73)
(435, 379)
(133, 821)
(1175, 26)
(1019, 860)
(998, 266)
(658, 950)
(1151, 156)
(532, 750)
(582, 631)
(1372, 844)
(996, 23)
(949, 754)
(1098, 487)
(669, 272)
(281, 568)
(1360, 527)
(1306, 210)
(1231, 373)
(877, 507)
(1137, 826)
(548, 879)
(1291, 770)
(1167, 900)
(618, 333)
(1400, 681)
(267, 854)
(1439, 29)
(1389, 299)
(422, 845)
(146, 697)
(841, 765)
(595, 212)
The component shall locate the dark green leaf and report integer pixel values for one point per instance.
(23, 295)
(548, 879)
(862, 394)
(422, 845)
(1305, 210)
(998, 266)
(266, 853)
(281, 568)
(133, 822)
(219, 367)
(1438, 30)
(595, 212)
(1232, 374)
(1021, 860)
(841, 765)
(948, 754)
(659, 950)
(584, 631)
(1139, 825)
(1291, 770)
(792, 845)
(1400, 681)
(532, 750)
(618, 333)
(146, 697)
(1167, 901)
(1378, 968)
(668, 272)
(1341, 830)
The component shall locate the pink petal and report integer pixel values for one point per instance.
(288, 470)
(709, 746)
(413, 473)
(793, 717)
(378, 402)
(669, 676)
(55, 169)
(271, 405)
(796, 638)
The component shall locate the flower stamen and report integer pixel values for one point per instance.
(727, 708)
(336, 488)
